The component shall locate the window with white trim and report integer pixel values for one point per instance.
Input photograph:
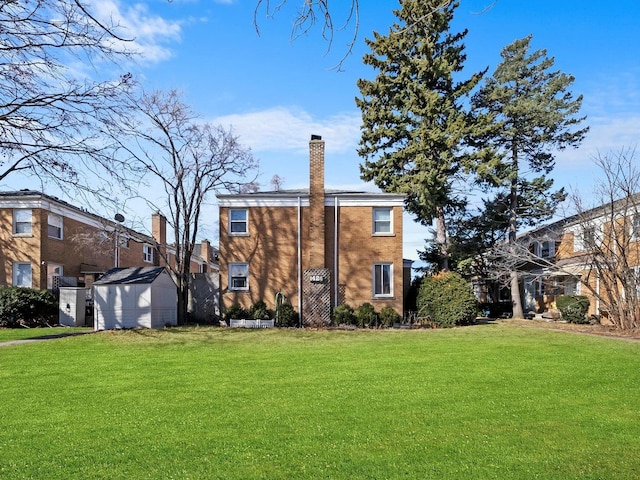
(238, 276)
(147, 253)
(54, 226)
(382, 279)
(22, 221)
(22, 274)
(635, 227)
(382, 221)
(238, 224)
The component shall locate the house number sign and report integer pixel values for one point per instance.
(317, 279)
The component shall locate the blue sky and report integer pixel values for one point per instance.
(275, 93)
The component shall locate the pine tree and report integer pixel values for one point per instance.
(413, 117)
(526, 112)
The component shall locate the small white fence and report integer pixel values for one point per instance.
(252, 323)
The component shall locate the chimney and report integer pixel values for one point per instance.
(159, 234)
(316, 202)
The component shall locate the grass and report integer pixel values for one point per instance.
(492, 401)
(10, 334)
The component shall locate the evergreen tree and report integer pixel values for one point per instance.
(525, 112)
(413, 117)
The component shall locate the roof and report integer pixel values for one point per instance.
(72, 211)
(288, 198)
(130, 275)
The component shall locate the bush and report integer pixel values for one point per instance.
(28, 307)
(573, 308)
(447, 299)
(343, 314)
(366, 315)
(287, 316)
(388, 316)
(236, 312)
(259, 311)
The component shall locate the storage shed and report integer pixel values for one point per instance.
(135, 297)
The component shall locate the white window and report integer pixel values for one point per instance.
(238, 276)
(53, 270)
(382, 221)
(22, 221)
(238, 224)
(635, 227)
(147, 253)
(383, 280)
(571, 286)
(585, 240)
(22, 274)
(54, 226)
(547, 249)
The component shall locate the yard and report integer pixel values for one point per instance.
(489, 401)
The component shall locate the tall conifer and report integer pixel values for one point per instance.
(524, 113)
(413, 112)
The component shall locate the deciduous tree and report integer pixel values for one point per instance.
(51, 109)
(190, 160)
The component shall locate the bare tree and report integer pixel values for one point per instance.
(610, 238)
(314, 13)
(190, 161)
(276, 182)
(51, 112)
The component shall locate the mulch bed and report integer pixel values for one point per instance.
(600, 330)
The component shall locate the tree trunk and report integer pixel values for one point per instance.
(183, 299)
(441, 239)
(516, 298)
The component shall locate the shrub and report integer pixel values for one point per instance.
(259, 311)
(287, 316)
(447, 299)
(366, 315)
(573, 308)
(28, 307)
(388, 316)
(236, 312)
(343, 314)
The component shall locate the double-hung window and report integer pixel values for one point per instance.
(635, 227)
(22, 221)
(382, 279)
(54, 226)
(238, 224)
(382, 221)
(147, 253)
(22, 274)
(238, 276)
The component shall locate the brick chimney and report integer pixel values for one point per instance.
(316, 203)
(159, 234)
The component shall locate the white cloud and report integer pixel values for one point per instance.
(149, 32)
(282, 129)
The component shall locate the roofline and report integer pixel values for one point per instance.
(27, 198)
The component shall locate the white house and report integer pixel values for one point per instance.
(135, 297)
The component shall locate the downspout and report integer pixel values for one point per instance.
(335, 252)
(300, 260)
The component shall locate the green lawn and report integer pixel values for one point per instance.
(9, 334)
(491, 401)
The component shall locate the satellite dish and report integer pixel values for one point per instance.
(119, 217)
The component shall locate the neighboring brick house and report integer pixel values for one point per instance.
(47, 242)
(318, 247)
(563, 259)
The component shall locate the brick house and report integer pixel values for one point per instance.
(47, 242)
(318, 247)
(563, 258)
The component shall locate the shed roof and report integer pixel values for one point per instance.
(130, 275)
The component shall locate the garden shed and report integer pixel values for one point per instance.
(135, 297)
